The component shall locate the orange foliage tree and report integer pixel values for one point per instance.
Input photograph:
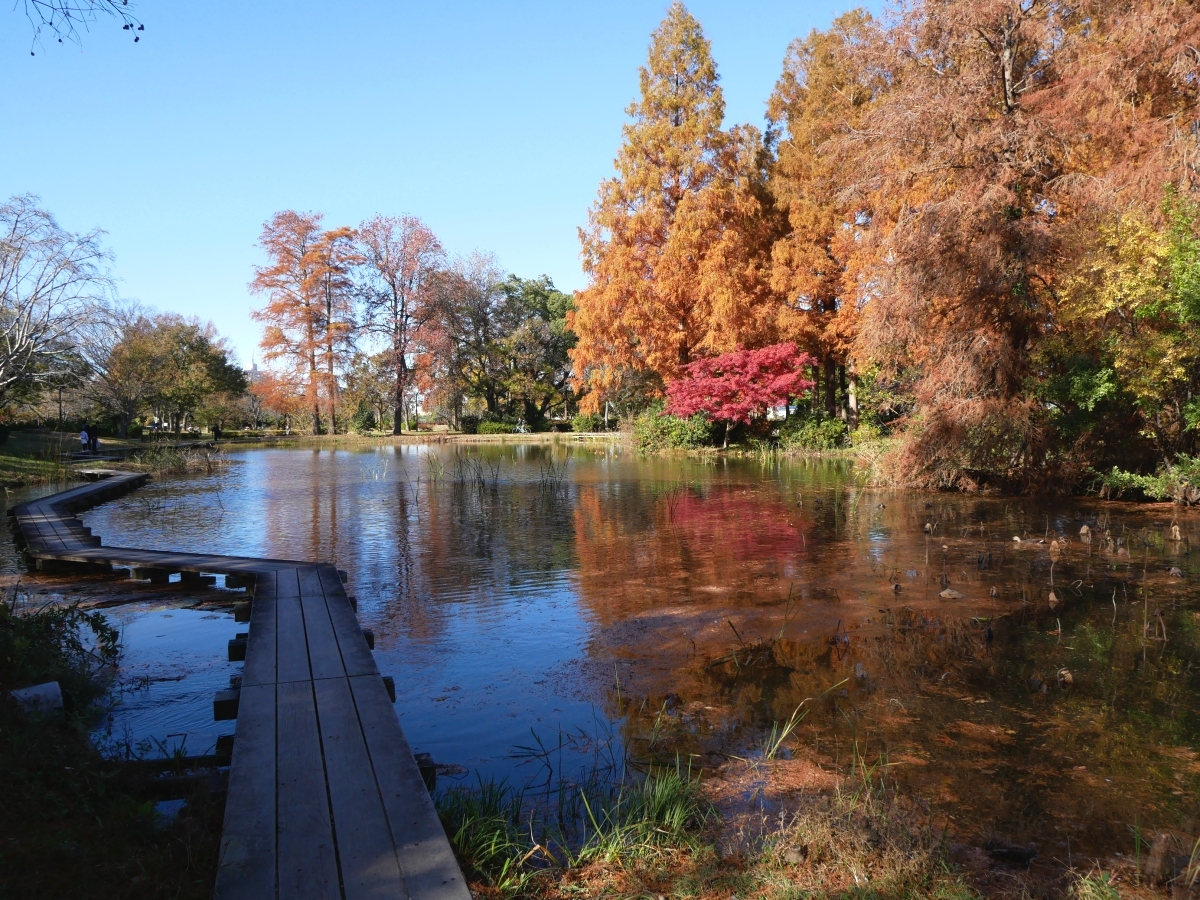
(309, 316)
(280, 394)
(292, 315)
(333, 258)
(827, 86)
(677, 244)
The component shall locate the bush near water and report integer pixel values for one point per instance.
(74, 823)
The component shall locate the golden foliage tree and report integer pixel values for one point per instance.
(827, 86)
(677, 244)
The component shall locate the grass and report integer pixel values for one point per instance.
(658, 835)
(35, 458)
(160, 461)
(72, 823)
(510, 842)
(1095, 885)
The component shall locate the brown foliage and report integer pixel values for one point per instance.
(309, 312)
(1004, 125)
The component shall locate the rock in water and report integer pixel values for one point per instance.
(950, 594)
(793, 856)
(42, 699)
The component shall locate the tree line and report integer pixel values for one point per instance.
(978, 218)
(69, 350)
(378, 322)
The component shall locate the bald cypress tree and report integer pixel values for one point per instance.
(677, 243)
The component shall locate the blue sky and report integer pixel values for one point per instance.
(493, 122)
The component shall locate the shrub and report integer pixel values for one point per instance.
(1179, 482)
(813, 434)
(496, 428)
(657, 430)
(364, 419)
(55, 643)
(585, 422)
(865, 433)
(468, 424)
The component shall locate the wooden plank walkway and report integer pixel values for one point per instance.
(325, 799)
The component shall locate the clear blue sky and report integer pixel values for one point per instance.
(493, 122)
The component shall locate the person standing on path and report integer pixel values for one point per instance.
(85, 439)
(94, 438)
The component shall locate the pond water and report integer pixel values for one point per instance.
(543, 607)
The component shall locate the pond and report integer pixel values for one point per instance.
(549, 608)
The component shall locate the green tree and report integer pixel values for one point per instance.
(536, 347)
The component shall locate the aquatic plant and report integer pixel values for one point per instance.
(781, 732)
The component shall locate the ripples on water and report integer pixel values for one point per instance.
(561, 588)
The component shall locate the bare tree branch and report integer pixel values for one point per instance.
(64, 19)
(51, 282)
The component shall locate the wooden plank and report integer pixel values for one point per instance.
(430, 869)
(246, 866)
(260, 665)
(356, 655)
(306, 860)
(324, 656)
(287, 583)
(366, 851)
(291, 647)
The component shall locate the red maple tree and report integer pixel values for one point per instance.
(740, 386)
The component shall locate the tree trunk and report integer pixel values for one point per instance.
(830, 387)
(398, 415)
(852, 398)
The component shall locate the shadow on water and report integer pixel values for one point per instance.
(1033, 689)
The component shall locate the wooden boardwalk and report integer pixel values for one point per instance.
(325, 799)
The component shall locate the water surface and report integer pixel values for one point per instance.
(585, 598)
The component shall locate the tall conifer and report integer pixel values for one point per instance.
(673, 242)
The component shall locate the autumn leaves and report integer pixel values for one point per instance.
(951, 203)
(376, 322)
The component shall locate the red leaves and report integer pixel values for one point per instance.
(739, 386)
